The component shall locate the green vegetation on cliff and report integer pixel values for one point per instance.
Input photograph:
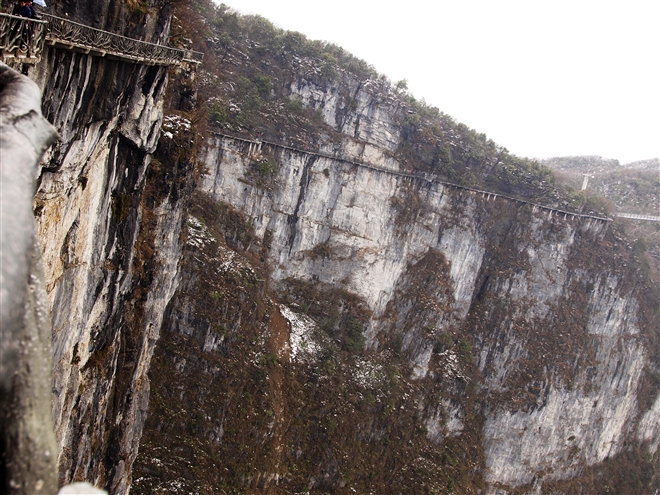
(246, 85)
(232, 412)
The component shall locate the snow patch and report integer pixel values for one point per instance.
(198, 234)
(175, 124)
(367, 374)
(230, 262)
(300, 340)
(451, 365)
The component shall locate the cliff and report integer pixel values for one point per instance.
(504, 333)
(104, 241)
(331, 288)
(420, 335)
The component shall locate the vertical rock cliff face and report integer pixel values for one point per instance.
(110, 250)
(329, 321)
(544, 299)
(365, 111)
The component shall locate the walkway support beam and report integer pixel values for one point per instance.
(24, 39)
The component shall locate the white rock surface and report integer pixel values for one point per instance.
(351, 212)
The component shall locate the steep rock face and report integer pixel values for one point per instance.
(364, 111)
(110, 251)
(552, 317)
(520, 343)
(582, 412)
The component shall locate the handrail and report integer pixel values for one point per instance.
(193, 57)
(24, 38)
(423, 176)
(21, 37)
(637, 216)
(69, 34)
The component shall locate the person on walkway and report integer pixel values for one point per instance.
(23, 9)
(23, 30)
(34, 11)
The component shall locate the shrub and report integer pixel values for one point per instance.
(268, 167)
(217, 113)
(328, 68)
(353, 339)
(322, 250)
(444, 342)
(465, 347)
(263, 85)
(294, 105)
(402, 85)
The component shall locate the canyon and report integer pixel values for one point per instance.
(276, 273)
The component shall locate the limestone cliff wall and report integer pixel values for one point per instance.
(110, 251)
(553, 319)
(522, 331)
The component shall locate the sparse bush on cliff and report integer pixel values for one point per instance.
(246, 414)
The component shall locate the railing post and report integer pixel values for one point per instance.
(70, 35)
(22, 38)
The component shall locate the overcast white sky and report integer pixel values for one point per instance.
(542, 78)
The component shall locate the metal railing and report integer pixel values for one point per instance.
(22, 38)
(636, 216)
(64, 33)
(25, 38)
(255, 147)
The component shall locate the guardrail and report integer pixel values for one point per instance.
(635, 216)
(24, 38)
(256, 145)
(63, 33)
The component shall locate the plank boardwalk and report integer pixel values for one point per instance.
(256, 146)
(24, 39)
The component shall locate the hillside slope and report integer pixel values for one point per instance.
(284, 274)
(348, 324)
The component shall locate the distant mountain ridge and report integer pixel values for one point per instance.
(594, 163)
(633, 187)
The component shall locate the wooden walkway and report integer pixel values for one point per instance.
(256, 146)
(24, 40)
(635, 216)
